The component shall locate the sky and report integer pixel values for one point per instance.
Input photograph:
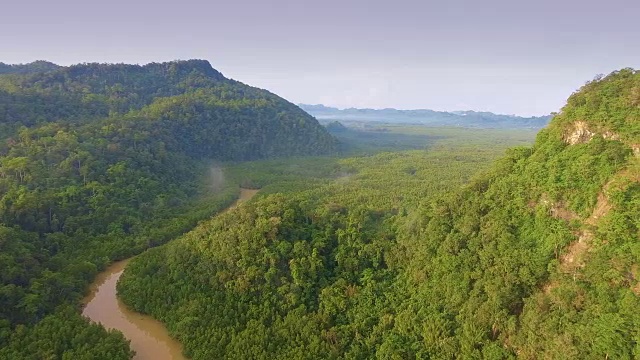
(511, 57)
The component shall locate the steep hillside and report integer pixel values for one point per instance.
(536, 258)
(187, 104)
(99, 162)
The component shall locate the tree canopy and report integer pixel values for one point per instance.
(537, 257)
(99, 162)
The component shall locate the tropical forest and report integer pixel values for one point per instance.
(246, 228)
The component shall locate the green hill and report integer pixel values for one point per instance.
(186, 104)
(30, 68)
(99, 162)
(536, 258)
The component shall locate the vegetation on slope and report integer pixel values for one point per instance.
(282, 264)
(101, 162)
(188, 105)
(536, 258)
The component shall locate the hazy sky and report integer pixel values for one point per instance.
(516, 56)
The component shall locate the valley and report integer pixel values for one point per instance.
(357, 239)
(148, 337)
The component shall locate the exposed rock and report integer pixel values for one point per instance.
(576, 251)
(560, 211)
(601, 209)
(579, 134)
(609, 135)
(557, 210)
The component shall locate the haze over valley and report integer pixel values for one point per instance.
(458, 180)
(464, 119)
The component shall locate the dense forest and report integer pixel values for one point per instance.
(99, 162)
(537, 257)
(30, 68)
(449, 248)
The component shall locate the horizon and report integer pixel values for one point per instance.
(417, 109)
(300, 103)
(522, 58)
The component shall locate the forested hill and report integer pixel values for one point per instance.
(465, 119)
(187, 105)
(34, 67)
(99, 162)
(537, 258)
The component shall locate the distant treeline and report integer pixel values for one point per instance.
(465, 119)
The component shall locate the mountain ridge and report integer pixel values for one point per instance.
(99, 162)
(466, 118)
(86, 93)
(32, 67)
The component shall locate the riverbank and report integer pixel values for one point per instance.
(149, 337)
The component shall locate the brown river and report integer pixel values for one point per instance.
(149, 338)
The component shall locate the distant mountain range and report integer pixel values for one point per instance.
(468, 119)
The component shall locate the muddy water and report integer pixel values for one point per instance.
(149, 338)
